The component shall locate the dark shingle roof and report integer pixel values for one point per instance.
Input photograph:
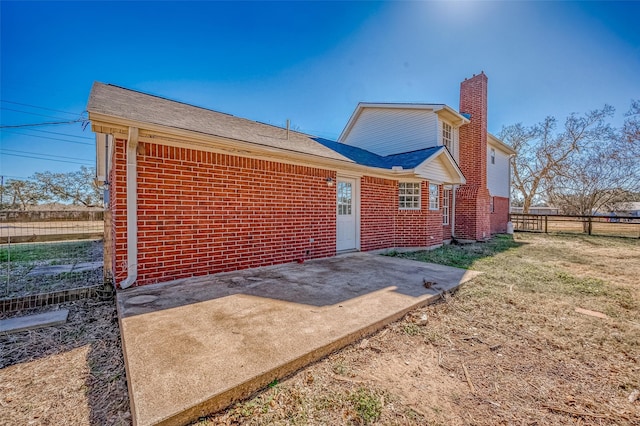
(132, 105)
(129, 104)
(407, 160)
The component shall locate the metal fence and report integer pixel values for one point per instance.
(50, 251)
(613, 226)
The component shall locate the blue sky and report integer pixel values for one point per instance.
(305, 61)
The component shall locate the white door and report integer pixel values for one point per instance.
(346, 238)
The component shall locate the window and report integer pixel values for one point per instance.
(491, 205)
(409, 195)
(344, 198)
(446, 195)
(447, 136)
(493, 156)
(434, 196)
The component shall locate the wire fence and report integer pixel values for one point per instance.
(50, 251)
(612, 226)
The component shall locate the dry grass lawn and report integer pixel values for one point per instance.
(508, 348)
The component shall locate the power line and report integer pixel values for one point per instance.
(44, 155)
(79, 120)
(33, 113)
(47, 137)
(49, 159)
(62, 134)
(39, 107)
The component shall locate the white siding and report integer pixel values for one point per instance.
(434, 171)
(455, 131)
(456, 145)
(393, 131)
(498, 173)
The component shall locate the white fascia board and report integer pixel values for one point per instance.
(456, 176)
(497, 143)
(155, 133)
(451, 115)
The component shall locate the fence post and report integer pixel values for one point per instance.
(589, 225)
(546, 224)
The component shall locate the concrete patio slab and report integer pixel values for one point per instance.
(29, 322)
(194, 346)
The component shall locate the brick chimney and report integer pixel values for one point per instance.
(472, 199)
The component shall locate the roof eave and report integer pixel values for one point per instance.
(117, 126)
(499, 144)
(457, 178)
(452, 116)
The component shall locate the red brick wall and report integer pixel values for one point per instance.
(472, 213)
(201, 213)
(378, 205)
(500, 215)
(472, 199)
(384, 225)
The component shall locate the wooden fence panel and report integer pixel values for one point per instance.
(613, 226)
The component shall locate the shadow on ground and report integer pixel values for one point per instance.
(319, 282)
(81, 359)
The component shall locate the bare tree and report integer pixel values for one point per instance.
(20, 194)
(598, 179)
(78, 188)
(631, 129)
(543, 152)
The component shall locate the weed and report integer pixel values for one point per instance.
(340, 368)
(412, 329)
(367, 404)
(325, 403)
(432, 337)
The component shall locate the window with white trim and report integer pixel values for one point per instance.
(446, 196)
(447, 136)
(344, 198)
(409, 195)
(434, 196)
(493, 156)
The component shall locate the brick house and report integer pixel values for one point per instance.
(192, 191)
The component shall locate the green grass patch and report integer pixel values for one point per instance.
(571, 284)
(80, 251)
(465, 255)
(367, 404)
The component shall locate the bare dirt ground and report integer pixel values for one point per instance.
(508, 348)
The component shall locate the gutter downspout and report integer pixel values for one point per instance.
(132, 209)
(453, 211)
